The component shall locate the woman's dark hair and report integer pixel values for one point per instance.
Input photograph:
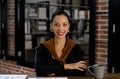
(59, 12)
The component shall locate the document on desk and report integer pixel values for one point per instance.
(12, 76)
(49, 78)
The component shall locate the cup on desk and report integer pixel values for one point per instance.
(98, 70)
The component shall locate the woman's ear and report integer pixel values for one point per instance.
(69, 25)
(50, 24)
(51, 27)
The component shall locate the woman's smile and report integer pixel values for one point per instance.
(60, 33)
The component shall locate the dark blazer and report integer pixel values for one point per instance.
(46, 65)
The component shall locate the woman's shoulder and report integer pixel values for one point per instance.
(75, 44)
(41, 46)
(44, 43)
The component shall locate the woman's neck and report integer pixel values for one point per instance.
(59, 42)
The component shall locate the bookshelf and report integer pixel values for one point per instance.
(37, 20)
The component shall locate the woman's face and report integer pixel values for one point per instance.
(60, 26)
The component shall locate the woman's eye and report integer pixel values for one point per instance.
(56, 24)
(64, 25)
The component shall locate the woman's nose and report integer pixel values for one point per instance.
(60, 27)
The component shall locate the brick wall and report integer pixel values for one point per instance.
(11, 28)
(11, 67)
(6, 65)
(101, 31)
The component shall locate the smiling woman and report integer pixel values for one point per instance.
(27, 15)
(60, 55)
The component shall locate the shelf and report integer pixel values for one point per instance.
(100, 12)
(35, 18)
(82, 43)
(79, 19)
(58, 5)
(40, 33)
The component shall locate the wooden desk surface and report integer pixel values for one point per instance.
(106, 76)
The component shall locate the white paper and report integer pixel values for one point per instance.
(49, 78)
(13, 76)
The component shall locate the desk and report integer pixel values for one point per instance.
(106, 76)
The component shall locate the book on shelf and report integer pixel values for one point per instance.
(32, 12)
(26, 12)
(81, 14)
(42, 26)
(27, 27)
(88, 14)
(28, 42)
(84, 14)
(75, 14)
(42, 13)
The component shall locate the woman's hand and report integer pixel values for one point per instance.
(81, 65)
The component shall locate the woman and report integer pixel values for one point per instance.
(60, 55)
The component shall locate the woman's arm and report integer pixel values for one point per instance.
(44, 64)
(78, 64)
(81, 65)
